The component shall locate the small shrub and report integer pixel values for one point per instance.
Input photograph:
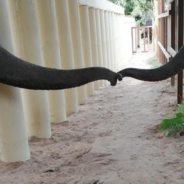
(173, 126)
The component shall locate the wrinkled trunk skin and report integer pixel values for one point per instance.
(19, 73)
(174, 66)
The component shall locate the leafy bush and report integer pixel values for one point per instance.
(174, 126)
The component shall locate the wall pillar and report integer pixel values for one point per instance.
(104, 44)
(115, 41)
(93, 34)
(86, 41)
(13, 133)
(111, 40)
(66, 49)
(51, 55)
(99, 41)
(102, 24)
(107, 39)
(77, 44)
(27, 46)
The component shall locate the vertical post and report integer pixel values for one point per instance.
(173, 34)
(169, 38)
(148, 43)
(77, 44)
(27, 46)
(165, 38)
(86, 41)
(156, 29)
(13, 132)
(180, 9)
(108, 39)
(144, 39)
(104, 44)
(93, 35)
(115, 40)
(132, 40)
(66, 50)
(51, 55)
(111, 40)
(161, 30)
(99, 40)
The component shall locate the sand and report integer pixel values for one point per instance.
(111, 140)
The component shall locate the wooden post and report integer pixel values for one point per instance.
(179, 9)
(173, 34)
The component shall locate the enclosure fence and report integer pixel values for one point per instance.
(169, 28)
(65, 34)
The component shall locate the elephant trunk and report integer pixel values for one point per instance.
(174, 66)
(19, 73)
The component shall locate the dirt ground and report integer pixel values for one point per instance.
(111, 140)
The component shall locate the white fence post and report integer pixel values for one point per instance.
(51, 55)
(66, 49)
(111, 47)
(93, 35)
(104, 43)
(27, 46)
(99, 41)
(86, 41)
(107, 29)
(13, 134)
(77, 44)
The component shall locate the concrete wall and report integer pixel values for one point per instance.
(65, 34)
(126, 47)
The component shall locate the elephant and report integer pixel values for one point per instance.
(174, 66)
(22, 74)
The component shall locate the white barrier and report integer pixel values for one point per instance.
(64, 34)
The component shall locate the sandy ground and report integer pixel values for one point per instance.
(111, 140)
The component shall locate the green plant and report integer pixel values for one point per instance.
(174, 126)
(141, 10)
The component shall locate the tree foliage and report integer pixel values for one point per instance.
(141, 10)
